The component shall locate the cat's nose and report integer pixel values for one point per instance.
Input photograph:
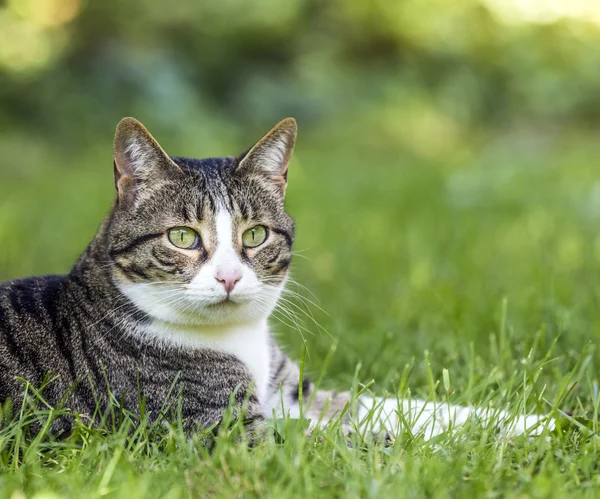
(228, 278)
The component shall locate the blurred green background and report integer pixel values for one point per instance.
(446, 162)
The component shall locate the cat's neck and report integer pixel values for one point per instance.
(194, 336)
(93, 264)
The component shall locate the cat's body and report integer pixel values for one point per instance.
(173, 296)
(117, 320)
(57, 325)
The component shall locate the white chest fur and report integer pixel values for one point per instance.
(248, 342)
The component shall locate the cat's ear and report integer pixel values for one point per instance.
(271, 154)
(138, 159)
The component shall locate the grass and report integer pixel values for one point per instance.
(484, 262)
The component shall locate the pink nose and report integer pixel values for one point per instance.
(228, 278)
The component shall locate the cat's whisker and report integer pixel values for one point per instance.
(299, 325)
(305, 299)
(166, 285)
(109, 313)
(118, 324)
(265, 302)
(308, 314)
(298, 307)
(286, 306)
(302, 250)
(303, 304)
(284, 322)
(185, 312)
(298, 255)
(291, 280)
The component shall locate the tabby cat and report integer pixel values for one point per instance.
(177, 287)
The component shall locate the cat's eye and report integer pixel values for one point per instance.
(183, 237)
(255, 236)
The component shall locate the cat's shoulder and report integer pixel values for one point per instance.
(30, 289)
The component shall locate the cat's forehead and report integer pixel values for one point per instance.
(206, 183)
(210, 184)
(207, 167)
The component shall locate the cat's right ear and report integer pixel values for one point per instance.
(138, 160)
(271, 155)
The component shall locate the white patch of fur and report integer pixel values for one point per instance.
(272, 155)
(248, 342)
(424, 418)
(139, 155)
(195, 315)
(430, 419)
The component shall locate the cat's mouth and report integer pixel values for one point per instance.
(223, 303)
(218, 303)
(216, 300)
(227, 301)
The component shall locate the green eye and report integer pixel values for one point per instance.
(255, 236)
(183, 237)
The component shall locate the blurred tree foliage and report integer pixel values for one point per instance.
(446, 67)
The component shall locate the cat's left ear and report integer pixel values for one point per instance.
(139, 161)
(271, 154)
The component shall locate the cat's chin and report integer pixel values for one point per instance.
(225, 312)
(229, 312)
(225, 302)
(228, 301)
(222, 314)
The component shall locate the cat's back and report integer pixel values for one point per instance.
(29, 303)
(29, 318)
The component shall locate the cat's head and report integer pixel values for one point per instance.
(201, 241)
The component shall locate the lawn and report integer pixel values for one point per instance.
(483, 261)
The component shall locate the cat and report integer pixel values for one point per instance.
(177, 287)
